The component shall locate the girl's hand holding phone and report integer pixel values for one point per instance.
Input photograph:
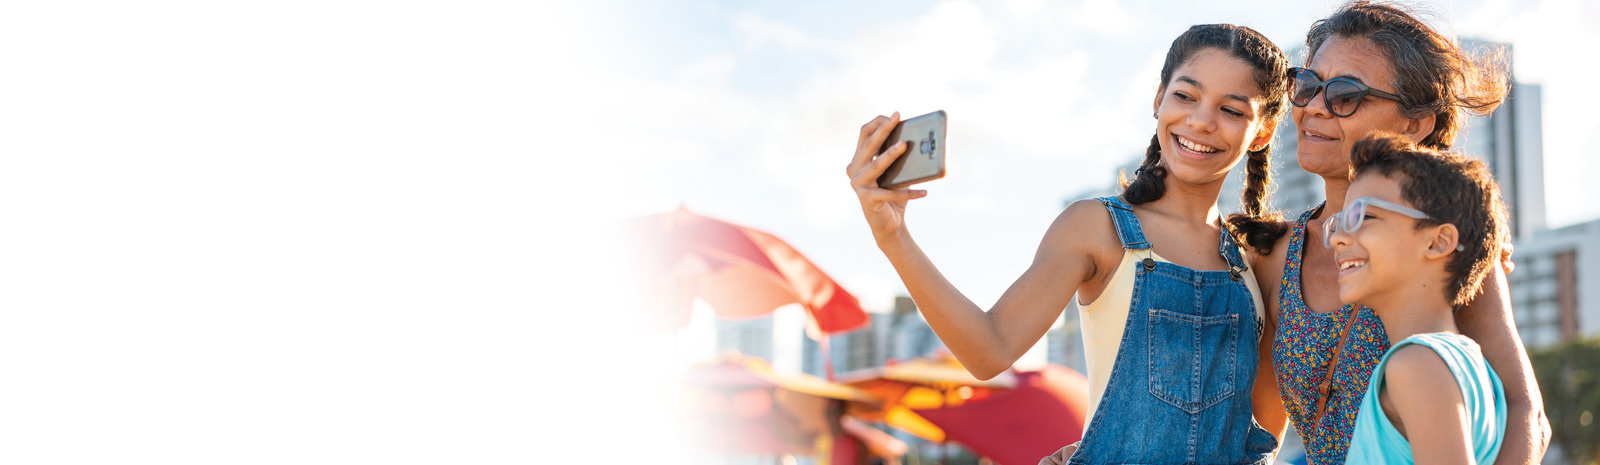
(884, 208)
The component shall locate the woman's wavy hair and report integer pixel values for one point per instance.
(1256, 223)
(1432, 74)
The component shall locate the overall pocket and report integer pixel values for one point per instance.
(1193, 359)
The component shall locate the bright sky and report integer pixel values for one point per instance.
(345, 231)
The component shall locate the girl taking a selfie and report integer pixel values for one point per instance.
(1173, 321)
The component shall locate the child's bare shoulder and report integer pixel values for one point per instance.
(1416, 375)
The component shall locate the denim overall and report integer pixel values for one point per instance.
(1179, 390)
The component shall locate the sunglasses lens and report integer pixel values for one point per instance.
(1304, 88)
(1344, 97)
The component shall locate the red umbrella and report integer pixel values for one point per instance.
(1022, 425)
(739, 271)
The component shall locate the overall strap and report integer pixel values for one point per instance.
(1230, 252)
(1229, 249)
(1127, 224)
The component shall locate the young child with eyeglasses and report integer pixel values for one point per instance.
(1414, 242)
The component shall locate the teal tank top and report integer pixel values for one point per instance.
(1376, 441)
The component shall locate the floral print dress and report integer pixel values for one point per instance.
(1300, 353)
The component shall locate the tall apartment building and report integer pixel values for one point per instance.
(1548, 298)
(1511, 142)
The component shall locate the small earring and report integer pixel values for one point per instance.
(1258, 148)
(1156, 115)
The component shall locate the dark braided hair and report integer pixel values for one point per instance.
(1255, 226)
(1258, 226)
(1149, 181)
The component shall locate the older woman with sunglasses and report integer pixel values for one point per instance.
(1374, 68)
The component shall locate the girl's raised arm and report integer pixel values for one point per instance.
(1073, 251)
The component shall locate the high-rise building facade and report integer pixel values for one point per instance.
(1511, 142)
(1553, 268)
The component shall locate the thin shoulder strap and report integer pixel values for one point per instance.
(1127, 224)
(1297, 253)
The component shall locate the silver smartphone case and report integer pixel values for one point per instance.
(924, 159)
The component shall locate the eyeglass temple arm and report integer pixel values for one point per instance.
(1401, 209)
(1379, 93)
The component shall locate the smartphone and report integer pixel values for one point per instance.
(923, 160)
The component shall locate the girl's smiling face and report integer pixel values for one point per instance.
(1208, 115)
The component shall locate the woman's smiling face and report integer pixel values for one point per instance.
(1325, 139)
(1208, 115)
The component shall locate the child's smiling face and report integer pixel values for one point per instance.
(1386, 251)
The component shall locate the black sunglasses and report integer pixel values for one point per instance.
(1341, 95)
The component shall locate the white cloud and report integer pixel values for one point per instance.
(758, 31)
(710, 72)
(1104, 17)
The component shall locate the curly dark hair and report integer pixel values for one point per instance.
(1450, 188)
(1257, 222)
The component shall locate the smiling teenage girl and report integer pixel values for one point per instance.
(1171, 315)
